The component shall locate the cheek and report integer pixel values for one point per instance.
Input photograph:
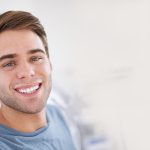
(45, 69)
(48, 72)
(5, 80)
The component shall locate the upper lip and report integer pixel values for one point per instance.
(27, 85)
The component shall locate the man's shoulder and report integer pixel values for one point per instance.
(54, 111)
(57, 114)
(4, 145)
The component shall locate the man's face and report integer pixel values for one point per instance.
(25, 71)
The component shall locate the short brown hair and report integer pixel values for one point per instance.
(19, 20)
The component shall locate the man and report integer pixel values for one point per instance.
(26, 122)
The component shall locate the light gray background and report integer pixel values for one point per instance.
(100, 51)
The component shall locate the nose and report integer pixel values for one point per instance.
(25, 70)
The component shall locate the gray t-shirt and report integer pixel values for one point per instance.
(54, 136)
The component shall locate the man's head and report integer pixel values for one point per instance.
(20, 20)
(25, 69)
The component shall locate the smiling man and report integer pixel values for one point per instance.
(26, 122)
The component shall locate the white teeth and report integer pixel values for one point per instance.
(29, 90)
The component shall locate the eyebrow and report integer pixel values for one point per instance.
(33, 51)
(8, 56)
(11, 56)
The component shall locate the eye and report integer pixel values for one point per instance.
(9, 64)
(36, 58)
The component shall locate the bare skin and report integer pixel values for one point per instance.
(23, 122)
(25, 80)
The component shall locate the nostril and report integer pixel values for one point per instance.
(25, 73)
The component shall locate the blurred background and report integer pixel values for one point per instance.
(100, 53)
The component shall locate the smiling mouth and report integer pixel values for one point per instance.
(28, 90)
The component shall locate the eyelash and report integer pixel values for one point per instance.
(10, 64)
(36, 58)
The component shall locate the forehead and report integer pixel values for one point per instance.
(19, 42)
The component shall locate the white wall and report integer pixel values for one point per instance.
(100, 51)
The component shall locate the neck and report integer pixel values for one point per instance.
(21, 121)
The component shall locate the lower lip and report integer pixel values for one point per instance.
(30, 94)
